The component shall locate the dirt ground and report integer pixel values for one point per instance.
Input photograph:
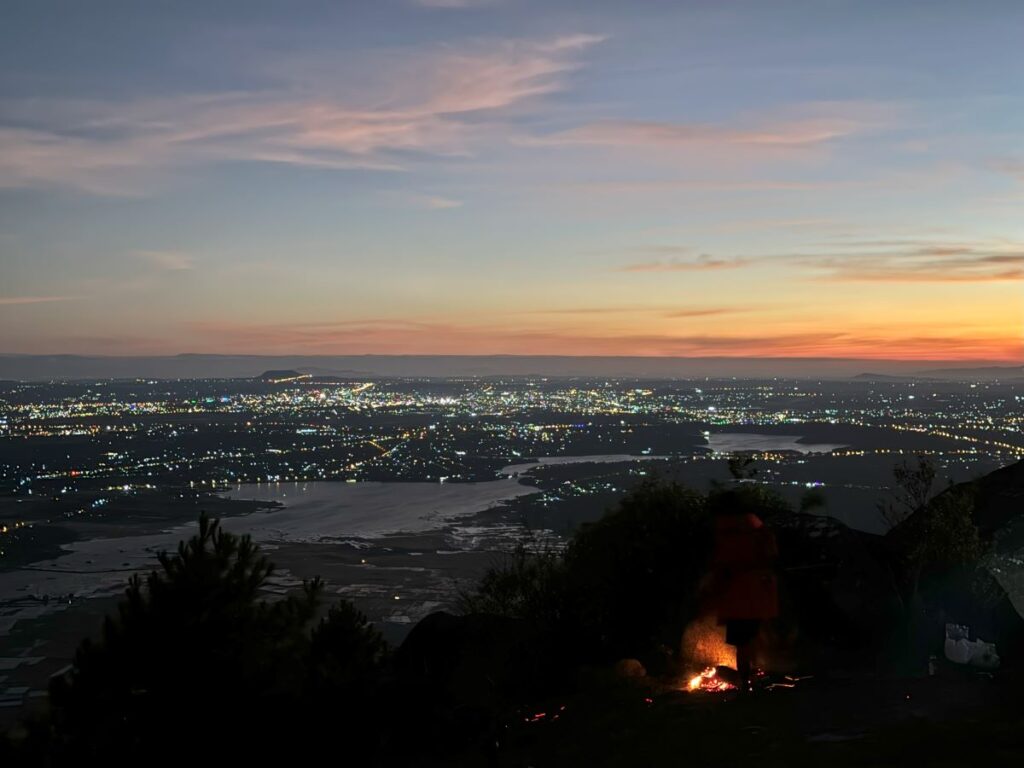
(957, 720)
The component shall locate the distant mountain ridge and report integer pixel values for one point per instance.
(985, 373)
(283, 375)
(191, 366)
(890, 378)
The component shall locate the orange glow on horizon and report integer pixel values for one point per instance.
(452, 339)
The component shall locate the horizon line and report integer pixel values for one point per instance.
(170, 355)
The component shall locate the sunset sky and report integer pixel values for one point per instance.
(816, 178)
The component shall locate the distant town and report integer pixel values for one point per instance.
(81, 446)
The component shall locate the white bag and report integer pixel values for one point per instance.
(976, 653)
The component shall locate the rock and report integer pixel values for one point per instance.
(459, 678)
(838, 599)
(478, 659)
(630, 669)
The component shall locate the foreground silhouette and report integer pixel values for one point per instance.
(195, 657)
(566, 657)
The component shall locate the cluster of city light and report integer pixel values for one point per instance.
(306, 429)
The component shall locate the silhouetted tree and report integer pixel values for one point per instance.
(344, 652)
(196, 657)
(914, 483)
(742, 467)
(946, 537)
(523, 584)
(632, 575)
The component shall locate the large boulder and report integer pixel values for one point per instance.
(459, 678)
(998, 499)
(837, 595)
(476, 659)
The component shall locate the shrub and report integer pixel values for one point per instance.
(194, 649)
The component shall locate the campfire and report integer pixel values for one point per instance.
(705, 649)
(710, 663)
(711, 681)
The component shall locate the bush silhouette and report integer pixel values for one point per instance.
(194, 646)
(625, 585)
(633, 574)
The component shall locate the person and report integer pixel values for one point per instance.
(745, 588)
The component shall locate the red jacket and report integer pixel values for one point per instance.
(744, 582)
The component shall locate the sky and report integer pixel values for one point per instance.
(767, 178)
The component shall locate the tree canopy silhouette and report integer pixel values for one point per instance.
(627, 584)
(195, 646)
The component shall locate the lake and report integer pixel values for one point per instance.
(617, 458)
(319, 511)
(316, 512)
(731, 442)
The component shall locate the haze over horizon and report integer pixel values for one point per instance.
(792, 179)
(198, 366)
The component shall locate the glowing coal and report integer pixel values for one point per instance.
(710, 662)
(711, 681)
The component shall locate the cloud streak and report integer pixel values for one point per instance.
(13, 301)
(809, 125)
(702, 263)
(168, 261)
(910, 261)
(1009, 165)
(437, 202)
(640, 309)
(436, 107)
(415, 337)
(869, 261)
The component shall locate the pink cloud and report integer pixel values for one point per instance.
(660, 134)
(114, 148)
(437, 202)
(171, 261)
(807, 125)
(702, 263)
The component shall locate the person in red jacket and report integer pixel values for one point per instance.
(744, 585)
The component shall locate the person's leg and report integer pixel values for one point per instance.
(741, 634)
(743, 665)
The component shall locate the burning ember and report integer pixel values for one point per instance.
(711, 681)
(704, 645)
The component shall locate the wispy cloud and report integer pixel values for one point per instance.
(8, 301)
(663, 311)
(171, 261)
(809, 126)
(701, 263)
(916, 261)
(433, 105)
(877, 260)
(1011, 165)
(703, 312)
(414, 337)
(667, 186)
(667, 135)
(436, 202)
